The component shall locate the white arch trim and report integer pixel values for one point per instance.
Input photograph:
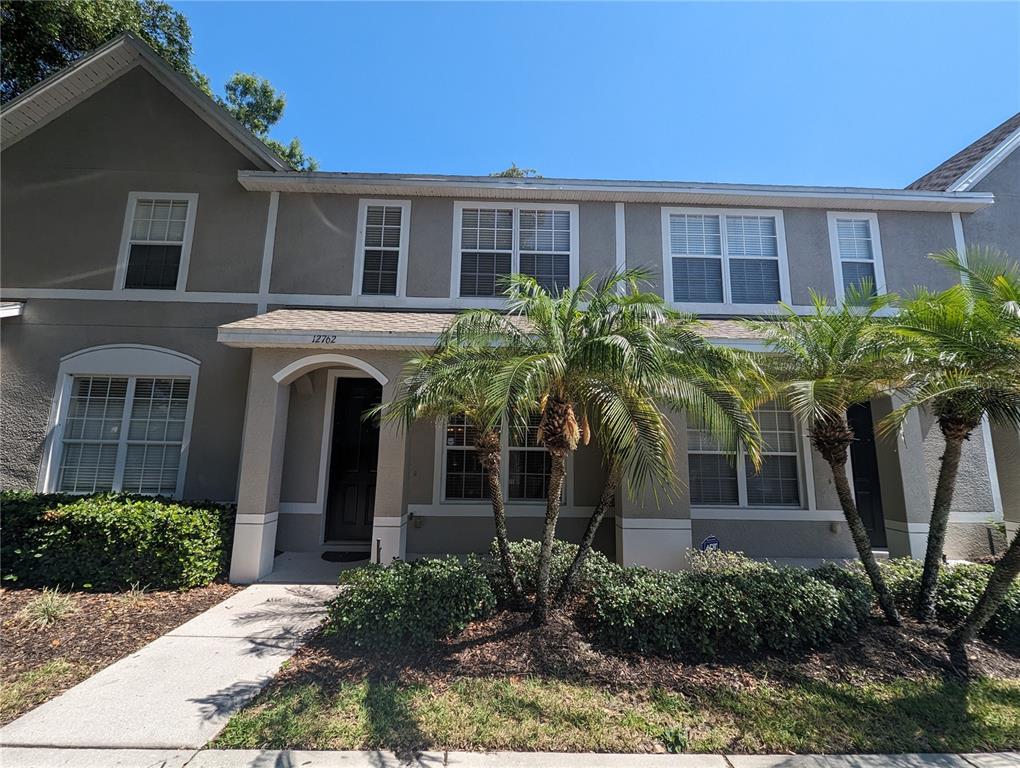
(298, 368)
(113, 360)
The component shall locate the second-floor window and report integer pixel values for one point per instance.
(380, 263)
(494, 241)
(158, 232)
(856, 251)
(724, 257)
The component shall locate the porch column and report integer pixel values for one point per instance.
(657, 535)
(389, 525)
(1006, 449)
(258, 493)
(903, 475)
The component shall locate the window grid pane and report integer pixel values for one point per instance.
(153, 266)
(854, 238)
(465, 476)
(156, 416)
(855, 273)
(530, 462)
(382, 249)
(697, 279)
(713, 478)
(777, 484)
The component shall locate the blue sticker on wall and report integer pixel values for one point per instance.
(710, 544)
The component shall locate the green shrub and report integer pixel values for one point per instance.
(855, 595)
(744, 608)
(525, 554)
(408, 604)
(111, 541)
(960, 587)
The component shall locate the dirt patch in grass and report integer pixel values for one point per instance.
(505, 684)
(38, 662)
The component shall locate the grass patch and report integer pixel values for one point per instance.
(27, 690)
(531, 713)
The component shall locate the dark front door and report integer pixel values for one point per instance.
(865, 473)
(355, 452)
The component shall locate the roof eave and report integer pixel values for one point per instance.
(636, 191)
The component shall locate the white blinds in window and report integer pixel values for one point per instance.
(856, 252)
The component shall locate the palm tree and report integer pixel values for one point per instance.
(709, 384)
(964, 348)
(579, 360)
(441, 383)
(826, 362)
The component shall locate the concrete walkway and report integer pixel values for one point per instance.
(95, 758)
(180, 690)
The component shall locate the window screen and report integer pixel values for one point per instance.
(98, 455)
(465, 476)
(486, 241)
(157, 239)
(382, 249)
(777, 483)
(712, 471)
(856, 252)
(544, 242)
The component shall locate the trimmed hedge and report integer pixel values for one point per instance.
(959, 589)
(596, 567)
(408, 604)
(730, 608)
(110, 541)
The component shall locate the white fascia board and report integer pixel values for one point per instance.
(291, 339)
(623, 191)
(988, 164)
(11, 309)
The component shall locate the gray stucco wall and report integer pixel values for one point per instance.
(778, 538)
(302, 452)
(430, 251)
(48, 330)
(807, 250)
(973, 492)
(998, 226)
(597, 238)
(65, 190)
(314, 247)
(907, 239)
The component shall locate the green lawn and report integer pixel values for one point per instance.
(27, 690)
(527, 713)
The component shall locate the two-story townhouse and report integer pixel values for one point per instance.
(184, 316)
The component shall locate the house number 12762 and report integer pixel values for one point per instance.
(319, 338)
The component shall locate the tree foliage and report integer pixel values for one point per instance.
(41, 38)
(514, 172)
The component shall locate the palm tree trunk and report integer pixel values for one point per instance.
(608, 493)
(487, 445)
(863, 543)
(552, 513)
(1006, 570)
(925, 605)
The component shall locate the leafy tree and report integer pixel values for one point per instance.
(258, 106)
(824, 363)
(578, 360)
(40, 38)
(964, 347)
(446, 382)
(513, 172)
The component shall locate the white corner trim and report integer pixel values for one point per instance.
(993, 473)
(268, 246)
(130, 360)
(12, 309)
(837, 259)
(124, 254)
(298, 368)
(959, 242)
(621, 237)
(987, 165)
(359, 248)
(726, 306)
(515, 256)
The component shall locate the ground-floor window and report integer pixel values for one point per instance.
(716, 480)
(527, 461)
(124, 433)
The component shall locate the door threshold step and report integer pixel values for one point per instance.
(347, 546)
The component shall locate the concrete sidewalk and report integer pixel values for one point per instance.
(96, 758)
(180, 690)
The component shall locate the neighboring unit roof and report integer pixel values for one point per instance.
(63, 90)
(969, 165)
(661, 192)
(363, 329)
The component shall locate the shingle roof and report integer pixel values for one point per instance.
(941, 178)
(359, 326)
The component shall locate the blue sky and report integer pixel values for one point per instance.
(869, 94)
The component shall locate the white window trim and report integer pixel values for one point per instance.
(359, 250)
(805, 489)
(515, 257)
(131, 360)
(726, 304)
(124, 255)
(837, 260)
(439, 477)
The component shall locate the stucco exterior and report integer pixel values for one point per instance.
(260, 430)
